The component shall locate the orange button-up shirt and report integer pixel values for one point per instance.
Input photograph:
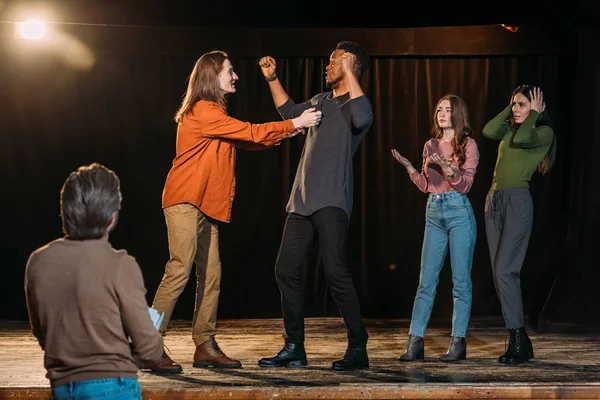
(203, 171)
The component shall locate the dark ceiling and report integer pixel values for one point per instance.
(293, 13)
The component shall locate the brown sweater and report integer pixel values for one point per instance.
(86, 301)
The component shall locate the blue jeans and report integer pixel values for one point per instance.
(109, 388)
(449, 222)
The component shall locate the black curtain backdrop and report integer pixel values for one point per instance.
(120, 113)
(575, 294)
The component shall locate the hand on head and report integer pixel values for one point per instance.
(348, 61)
(537, 100)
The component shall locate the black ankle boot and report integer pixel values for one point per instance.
(415, 351)
(457, 350)
(510, 348)
(292, 354)
(521, 349)
(356, 358)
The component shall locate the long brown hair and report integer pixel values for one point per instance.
(543, 119)
(203, 83)
(460, 123)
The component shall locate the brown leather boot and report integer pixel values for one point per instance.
(209, 354)
(164, 366)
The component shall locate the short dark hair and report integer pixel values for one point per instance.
(88, 199)
(362, 56)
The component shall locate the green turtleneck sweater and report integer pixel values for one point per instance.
(521, 149)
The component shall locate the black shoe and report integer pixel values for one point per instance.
(415, 351)
(508, 349)
(457, 350)
(519, 348)
(292, 354)
(355, 358)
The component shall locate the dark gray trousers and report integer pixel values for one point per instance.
(508, 224)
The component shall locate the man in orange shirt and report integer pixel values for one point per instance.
(199, 193)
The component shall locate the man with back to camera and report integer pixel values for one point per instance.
(86, 301)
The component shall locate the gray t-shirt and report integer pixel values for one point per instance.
(325, 175)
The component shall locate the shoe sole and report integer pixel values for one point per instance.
(509, 362)
(350, 369)
(167, 371)
(411, 359)
(301, 363)
(453, 359)
(515, 362)
(213, 365)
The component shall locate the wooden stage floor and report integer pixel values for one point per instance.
(566, 366)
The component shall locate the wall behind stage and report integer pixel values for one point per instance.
(119, 112)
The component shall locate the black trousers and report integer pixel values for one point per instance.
(330, 224)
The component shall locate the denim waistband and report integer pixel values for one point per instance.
(70, 387)
(445, 196)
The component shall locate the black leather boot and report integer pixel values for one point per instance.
(415, 351)
(510, 348)
(292, 354)
(522, 349)
(355, 358)
(457, 350)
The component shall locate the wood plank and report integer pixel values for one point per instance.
(406, 392)
(565, 366)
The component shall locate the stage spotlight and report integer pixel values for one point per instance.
(33, 29)
(511, 28)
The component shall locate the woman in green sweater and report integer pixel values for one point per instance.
(527, 144)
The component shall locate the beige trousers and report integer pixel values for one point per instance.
(193, 238)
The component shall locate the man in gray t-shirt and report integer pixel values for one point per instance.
(321, 202)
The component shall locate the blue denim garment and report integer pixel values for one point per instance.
(109, 388)
(449, 224)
